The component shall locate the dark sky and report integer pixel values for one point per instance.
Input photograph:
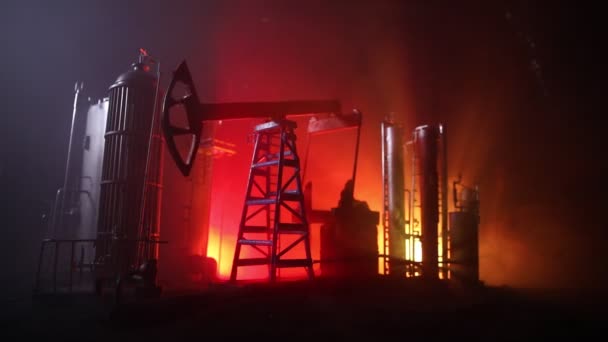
(530, 71)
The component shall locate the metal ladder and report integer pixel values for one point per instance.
(274, 188)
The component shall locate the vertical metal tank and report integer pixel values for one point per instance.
(394, 218)
(132, 171)
(427, 148)
(90, 180)
(464, 236)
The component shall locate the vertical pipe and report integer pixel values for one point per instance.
(412, 205)
(66, 178)
(306, 154)
(150, 151)
(444, 201)
(356, 154)
(408, 219)
(54, 213)
(71, 263)
(55, 266)
(385, 214)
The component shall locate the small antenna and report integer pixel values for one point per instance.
(143, 54)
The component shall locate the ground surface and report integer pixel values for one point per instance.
(358, 308)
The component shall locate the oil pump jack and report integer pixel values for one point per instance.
(274, 200)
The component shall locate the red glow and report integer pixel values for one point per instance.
(256, 55)
(278, 68)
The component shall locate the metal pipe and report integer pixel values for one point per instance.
(407, 195)
(306, 154)
(412, 204)
(385, 214)
(77, 89)
(55, 267)
(71, 264)
(356, 152)
(444, 200)
(144, 191)
(54, 213)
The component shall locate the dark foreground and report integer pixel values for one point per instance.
(363, 308)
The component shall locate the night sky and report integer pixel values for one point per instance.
(517, 84)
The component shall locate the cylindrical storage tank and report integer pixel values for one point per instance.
(426, 149)
(90, 179)
(394, 178)
(464, 256)
(123, 227)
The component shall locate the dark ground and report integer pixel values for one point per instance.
(365, 308)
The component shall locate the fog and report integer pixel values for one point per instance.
(515, 86)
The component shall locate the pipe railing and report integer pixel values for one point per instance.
(72, 265)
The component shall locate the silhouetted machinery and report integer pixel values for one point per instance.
(349, 238)
(417, 238)
(276, 216)
(464, 234)
(348, 232)
(274, 207)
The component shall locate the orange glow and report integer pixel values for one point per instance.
(222, 251)
(377, 77)
(280, 69)
(214, 250)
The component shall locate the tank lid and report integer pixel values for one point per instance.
(435, 129)
(139, 74)
(421, 127)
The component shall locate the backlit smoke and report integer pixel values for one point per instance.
(265, 54)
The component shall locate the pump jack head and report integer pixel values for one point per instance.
(197, 112)
(194, 116)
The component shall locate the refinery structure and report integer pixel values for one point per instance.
(105, 236)
(320, 170)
